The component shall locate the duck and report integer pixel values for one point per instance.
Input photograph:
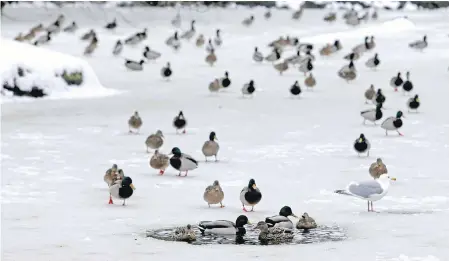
(189, 34)
(111, 175)
(396, 81)
(210, 46)
(166, 71)
(29, 36)
(248, 88)
(200, 41)
(91, 47)
(306, 67)
(184, 234)
(224, 227)
(274, 56)
(135, 122)
(71, 28)
(214, 194)
(19, 38)
(111, 25)
(295, 89)
(43, 39)
(330, 17)
(176, 21)
(373, 62)
(294, 59)
(257, 56)
(225, 82)
(211, 147)
(151, 54)
(248, 21)
(214, 86)
(174, 42)
(413, 103)
(380, 97)
(370, 93)
(372, 115)
(282, 219)
(133, 65)
(118, 48)
(88, 36)
(352, 56)
(267, 14)
(393, 123)
(308, 55)
(362, 145)
(348, 72)
(374, 16)
(211, 58)
(159, 161)
(273, 235)
(281, 67)
(310, 81)
(362, 47)
(298, 13)
(306, 222)
(371, 43)
(142, 35)
(419, 45)
(182, 162)
(121, 189)
(133, 39)
(407, 86)
(377, 168)
(155, 140)
(179, 122)
(37, 28)
(250, 195)
(217, 40)
(54, 27)
(329, 49)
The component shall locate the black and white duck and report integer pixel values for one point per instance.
(190, 33)
(420, 44)
(182, 162)
(250, 195)
(54, 27)
(122, 189)
(362, 145)
(396, 81)
(370, 93)
(295, 89)
(372, 115)
(150, 54)
(143, 35)
(133, 39)
(217, 40)
(352, 56)
(71, 28)
(282, 219)
(373, 62)
(118, 48)
(273, 235)
(166, 71)
(43, 39)
(180, 122)
(89, 35)
(306, 67)
(111, 25)
(393, 123)
(224, 227)
(225, 82)
(248, 21)
(413, 103)
(257, 56)
(348, 72)
(380, 97)
(210, 46)
(133, 65)
(408, 85)
(248, 88)
(211, 147)
(274, 56)
(362, 47)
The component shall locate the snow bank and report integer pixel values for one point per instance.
(42, 68)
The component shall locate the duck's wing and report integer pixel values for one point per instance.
(272, 221)
(216, 224)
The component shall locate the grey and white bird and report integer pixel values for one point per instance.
(257, 56)
(176, 21)
(370, 93)
(248, 21)
(306, 67)
(210, 46)
(224, 227)
(281, 67)
(373, 62)
(214, 194)
(282, 219)
(274, 56)
(43, 39)
(190, 33)
(133, 65)
(248, 88)
(151, 54)
(420, 44)
(118, 48)
(71, 28)
(121, 189)
(372, 115)
(155, 140)
(182, 162)
(393, 123)
(211, 147)
(173, 41)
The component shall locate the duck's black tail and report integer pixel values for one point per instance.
(343, 192)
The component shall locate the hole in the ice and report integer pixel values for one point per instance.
(317, 235)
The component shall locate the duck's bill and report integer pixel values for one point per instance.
(254, 186)
(249, 223)
(216, 138)
(132, 186)
(393, 179)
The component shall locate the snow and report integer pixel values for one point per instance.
(54, 154)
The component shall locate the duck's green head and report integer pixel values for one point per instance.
(176, 151)
(399, 114)
(286, 211)
(252, 184)
(241, 221)
(212, 136)
(128, 182)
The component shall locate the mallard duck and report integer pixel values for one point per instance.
(189, 34)
(298, 13)
(362, 145)
(155, 141)
(257, 56)
(111, 25)
(329, 49)
(43, 39)
(419, 45)
(248, 88)
(294, 59)
(182, 162)
(396, 82)
(134, 122)
(407, 86)
(362, 47)
(111, 175)
(179, 122)
(250, 195)
(295, 89)
(29, 36)
(88, 36)
(176, 21)
(413, 103)
(118, 48)
(150, 54)
(200, 41)
(310, 81)
(306, 67)
(225, 82)
(274, 235)
(166, 71)
(214, 86)
(159, 161)
(214, 194)
(91, 47)
(377, 168)
(371, 43)
(393, 123)
(211, 147)
(211, 58)
(121, 189)
(267, 14)
(248, 21)
(174, 41)
(306, 222)
(224, 227)
(281, 67)
(185, 234)
(19, 38)
(55, 27)
(133, 39)
(133, 65)
(373, 62)
(372, 115)
(282, 219)
(210, 46)
(370, 93)
(348, 72)
(274, 56)
(217, 40)
(380, 97)
(71, 28)
(352, 56)
(330, 17)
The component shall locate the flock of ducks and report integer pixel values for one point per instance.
(278, 228)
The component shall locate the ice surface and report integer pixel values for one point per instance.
(54, 153)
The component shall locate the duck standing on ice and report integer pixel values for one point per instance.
(182, 162)
(250, 195)
(122, 189)
(393, 123)
(179, 122)
(362, 145)
(372, 115)
(159, 161)
(413, 103)
(396, 82)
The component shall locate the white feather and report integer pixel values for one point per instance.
(388, 124)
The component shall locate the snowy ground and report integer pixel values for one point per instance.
(54, 153)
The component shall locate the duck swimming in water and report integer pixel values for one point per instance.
(224, 227)
(282, 219)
